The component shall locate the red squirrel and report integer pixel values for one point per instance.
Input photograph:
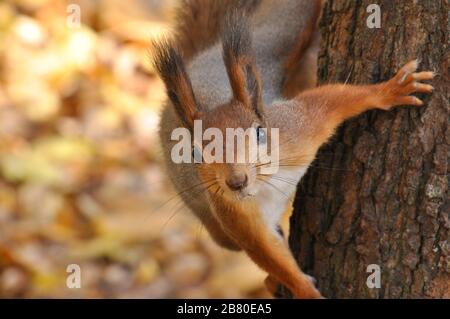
(232, 64)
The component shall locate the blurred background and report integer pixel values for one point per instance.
(81, 180)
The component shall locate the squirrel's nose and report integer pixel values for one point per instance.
(237, 182)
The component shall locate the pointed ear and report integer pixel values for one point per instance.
(240, 62)
(170, 66)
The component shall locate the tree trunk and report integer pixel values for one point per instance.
(379, 193)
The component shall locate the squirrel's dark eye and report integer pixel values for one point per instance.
(261, 135)
(196, 155)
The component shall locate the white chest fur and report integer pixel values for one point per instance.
(274, 197)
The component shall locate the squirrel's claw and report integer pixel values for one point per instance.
(397, 90)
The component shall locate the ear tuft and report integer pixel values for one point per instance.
(236, 37)
(240, 61)
(170, 66)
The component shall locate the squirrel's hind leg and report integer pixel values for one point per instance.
(266, 248)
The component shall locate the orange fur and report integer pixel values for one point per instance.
(245, 225)
(333, 104)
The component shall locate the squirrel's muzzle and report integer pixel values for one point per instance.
(237, 182)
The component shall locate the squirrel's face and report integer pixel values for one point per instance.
(245, 110)
(230, 157)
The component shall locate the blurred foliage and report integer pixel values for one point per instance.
(80, 174)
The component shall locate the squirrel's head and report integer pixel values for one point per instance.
(244, 114)
(230, 149)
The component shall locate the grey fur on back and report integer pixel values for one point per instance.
(276, 26)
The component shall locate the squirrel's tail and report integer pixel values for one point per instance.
(301, 63)
(199, 22)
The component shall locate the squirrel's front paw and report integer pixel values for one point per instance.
(397, 90)
(311, 293)
(304, 290)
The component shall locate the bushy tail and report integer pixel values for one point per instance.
(301, 64)
(199, 22)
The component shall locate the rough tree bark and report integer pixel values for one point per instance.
(379, 192)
